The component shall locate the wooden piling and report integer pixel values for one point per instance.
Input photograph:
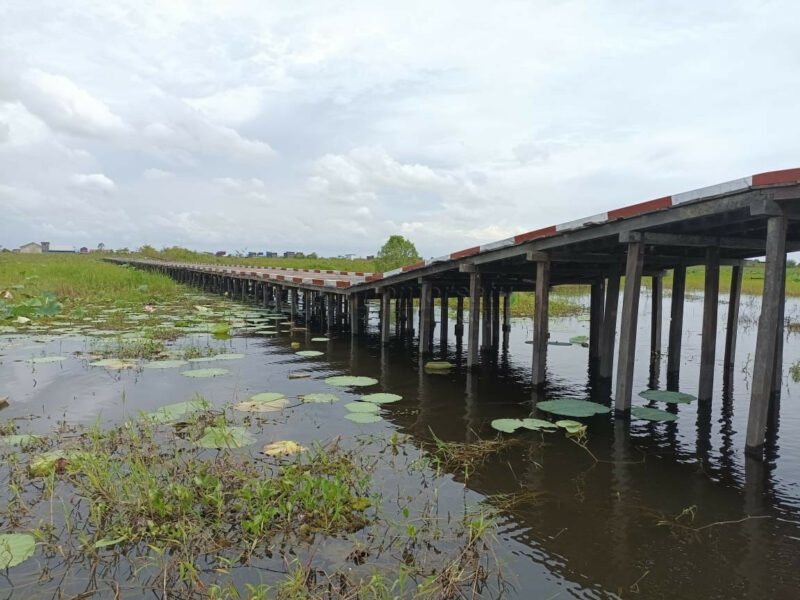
(597, 298)
(459, 330)
(443, 316)
(495, 320)
(410, 313)
(474, 319)
(627, 336)
(608, 333)
(354, 319)
(708, 344)
(506, 317)
(541, 315)
(733, 318)
(676, 323)
(766, 342)
(656, 315)
(486, 334)
(386, 316)
(777, 382)
(425, 300)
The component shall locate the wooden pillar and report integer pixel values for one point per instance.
(354, 319)
(425, 300)
(627, 336)
(597, 297)
(399, 315)
(506, 317)
(705, 389)
(474, 319)
(495, 319)
(486, 335)
(766, 343)
(330, 300)
(656, 315)
(608, 333)
(410, 313)
(676, 322)
(386, 316)
(541, 315)
(443, 315)
(459, 315)
(733, 317)
(777, 383)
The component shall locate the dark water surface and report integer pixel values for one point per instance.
(668, 510)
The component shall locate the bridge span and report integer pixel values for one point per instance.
(723, 224)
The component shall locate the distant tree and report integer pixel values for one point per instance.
(396, 252)
(101, 246)
(312, 255)
(790, 264)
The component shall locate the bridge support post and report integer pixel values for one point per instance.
(733, 318)
(656, 315)
(495, 319)
(608, 333)
(459, 330)
(330, 311)
(474, 319)
(627, 337)
(443, 316)
(399, 315)
(541, 315)
(386, 316)
(765, 364)
(425, 314)
(354, 319)
(676, 327)
(777, 382)
(410, 313)
(486, 334)
(705, 389)
(597, 298)
(506, 317)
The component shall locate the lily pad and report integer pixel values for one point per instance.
(299, 375)
(363, 418)
(572, 407)
(350, 380)
(15, 548)
(653, 414)
(320, 398)
(571, 426)
(46, 359)
(45, 463)
(283, 448)
(225, 436)
(173, 412)
(228, 356)
(362, 407)
(205, 373)
(511, 425)
(668, 397)
(266, 402)
(438, 365)
(165, 364)
(309, 353)
(320, 339)
(115, 364)
(579, 339)
(558, 344)
(18, 439)
(381, 398)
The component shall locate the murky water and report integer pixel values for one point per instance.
(651, 510)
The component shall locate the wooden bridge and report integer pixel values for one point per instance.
(717, 225)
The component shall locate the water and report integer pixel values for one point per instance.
(654, 510)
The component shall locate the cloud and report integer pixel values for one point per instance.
(96, 182)
(153, 174)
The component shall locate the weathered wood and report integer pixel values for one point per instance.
(443, 315)
(355, 321)
(459, 316)
(627, 337)
(766, 342)
(676, 322)
(596, 318)
(684, 241)
(506, 317)
(410, 313)
(386, 315)
(495, 319)
(541, 314)
(656, 316)
(708, 345)
(474, 319)
(608, 333)
(425, 299)
(777, 381)
(733, 318)
(486, 333)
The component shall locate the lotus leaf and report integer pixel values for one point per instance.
(45, 463)
(18, 439)
(228, 356)
(571, 426)
(267, 402)
(350, 380)
(440, 365)
(666, 396)
(299, 375)
(173, 412)
(46, 359)
(15, 548)
(652, 414)
(114, 364)
(165, 364)
(362, 407)
(511, 425)
(558, 344)
(225, 436)
(572, 407)
(283, 448)
(363, 418)
(381, 398)
(205, 373)
(321, 398)
(320, 339)
(309, 353)
(295, 345)
(579, 339)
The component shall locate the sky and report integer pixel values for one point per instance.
(329, 126)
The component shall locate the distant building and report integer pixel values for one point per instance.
(31, 248)
(271, 254)
(371, 257)
(251, 255)
(58, 248)
(84, 250)
(290, 255)
(220, 253)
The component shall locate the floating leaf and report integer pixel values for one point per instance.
(320, 398)
(579, 339)
(511, 425)
(228, 356)
(18, 439)
(295, 345)
(363, 418)
(165, 364)
(438, 365)
(309, 353)
(205, 373)
(558, 343)
(266, 402)
(320, 339)
(225, 436)
(283, 448)
(115, 364)
(350, 380)
(572, 407)
(652, 414)
(666, 396)
(381, 398)
(537, 424)
(45, 463)
(362, 407)
(46, 359)
(173, 412)
(299, 375)
(572, 427)
(15, 548)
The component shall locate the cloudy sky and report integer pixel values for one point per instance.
(328, 126)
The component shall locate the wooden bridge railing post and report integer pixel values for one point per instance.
(627, 336)
(608, 333)
(474, 319)
(764, 364)
(676, 326)
(733, 317)
(541, 315)
(708, 344)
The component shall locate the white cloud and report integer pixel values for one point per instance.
(152, 173)
(93, 182)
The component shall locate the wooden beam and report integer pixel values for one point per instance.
(486, 335)
(733, 318)
(697, 241)
(474, 319)
(764, 363)
(459, 315)
(627, 338)
(705, 389)
(540, 323)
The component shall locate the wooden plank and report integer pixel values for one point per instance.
(627, 337)
(541, 315)
(676, 323)
(656, 315)
(474, 319)
(698, 241)
(766, 342)
(733, 318)
(597, 298)
(708, 345)
(608, 333)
